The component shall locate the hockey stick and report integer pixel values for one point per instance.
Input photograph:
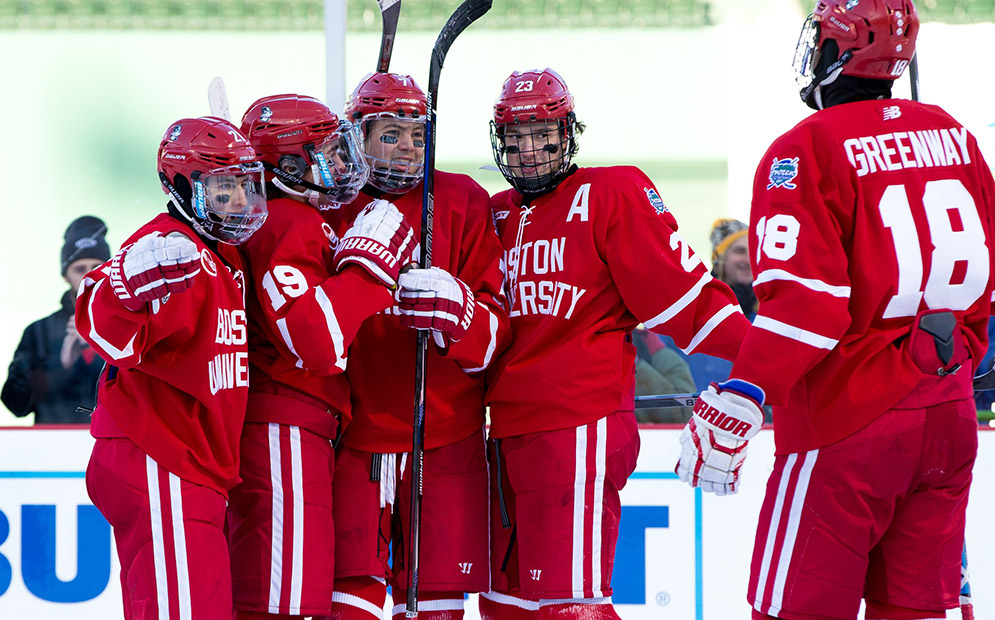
(390, 10)
(666, 400)
(217, 97)
(464, 15)
(985, 382)
(914, 76)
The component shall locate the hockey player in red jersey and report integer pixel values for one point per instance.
(372, 465)
(589, 254)
(167, 314)
(871, 227)
(306, 305)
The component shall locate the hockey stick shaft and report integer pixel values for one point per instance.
(390, 11)
(666, 400)
(464, 15)
(914, 76)
(217, 98)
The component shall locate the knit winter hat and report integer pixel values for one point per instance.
(85, 239)
(725, 231)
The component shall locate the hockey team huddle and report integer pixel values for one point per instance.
(254, 421)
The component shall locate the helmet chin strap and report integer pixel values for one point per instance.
(825, 78)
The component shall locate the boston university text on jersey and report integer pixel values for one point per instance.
(540, 257)
(229, 370)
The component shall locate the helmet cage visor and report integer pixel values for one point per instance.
(806, 52)
(339, 165)
(395, 149)
(229, 204)
(531, 155)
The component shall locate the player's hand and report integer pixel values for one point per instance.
(713, 444)
(153, 267)
(380, 241)
(433, 299)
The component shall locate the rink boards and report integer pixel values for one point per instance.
(681, 554)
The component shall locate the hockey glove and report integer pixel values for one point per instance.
(380, 241)
(153, 267)
(713, 444)
(433, 299)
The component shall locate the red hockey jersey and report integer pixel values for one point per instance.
(863, 215)
(586, 263)
(382, 360)
(177, 372)
(302, 318)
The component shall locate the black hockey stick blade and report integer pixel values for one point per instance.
(390, 11)
(464, 15)
(985, 382)
(666, 400)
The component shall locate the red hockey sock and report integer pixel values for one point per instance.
(431, 605)
(883, 611)
(258, 615)
(358, 598)
(579, 610)
(504, 606)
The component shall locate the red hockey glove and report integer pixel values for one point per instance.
(380, 241)
(153, 267)
(713, 444)
(434, 299)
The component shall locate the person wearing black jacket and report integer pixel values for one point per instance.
(54, 371)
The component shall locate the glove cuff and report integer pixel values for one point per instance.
(745, 389)
(119, 284)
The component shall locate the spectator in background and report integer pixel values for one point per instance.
(54, 370)
(731, 264)
(660, 370)
(731, 261)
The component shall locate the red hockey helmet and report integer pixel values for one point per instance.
(391, 109)
(386, 93)
(876, 40)
(296, 133)
(533, 134)
(533, 96)
(214, 177)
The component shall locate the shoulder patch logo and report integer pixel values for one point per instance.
(655, 201)
(207, 262)
(782, 173)
(891, 112)
(501, 215)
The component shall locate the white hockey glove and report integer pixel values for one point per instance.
(153, 267)
(713, 444)
(380, 241)
(433, 299)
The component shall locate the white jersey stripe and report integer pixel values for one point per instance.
(276, 541)
(491, 344)
(580, 483)
(281, 324)
(794, 333)
(598, 502)
(600, 600)
(791, 533)
(332, 323)
(180, 547)
(344, 598)
(710, 325)
(771, 537)
(512, 601)
(818, 286)
(297, 482)
(447, 604)
(107, 347)
(158, 539)
(681, 303)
